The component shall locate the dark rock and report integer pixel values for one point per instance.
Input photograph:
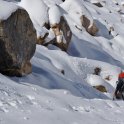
(86, 23)
(98, 4)
(97, 71)
(17, 44)
(63, 72)
(63, 34)
(100, 88)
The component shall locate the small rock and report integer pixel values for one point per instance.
(98, 4)
(86, 24)
(62, 33)
(100, 88)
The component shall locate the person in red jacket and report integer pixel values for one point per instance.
(120, 86)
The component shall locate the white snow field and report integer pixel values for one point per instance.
(49, 97)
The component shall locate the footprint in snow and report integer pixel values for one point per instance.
(111, 104)
(68, 108)
(30, 97)
(82, 109)
(78, 109)
(4, 110)
(31, 100)
(26, 118)
(118, 112)
(13, 104)
(49, 109)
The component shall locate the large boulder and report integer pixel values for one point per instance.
(17, 44)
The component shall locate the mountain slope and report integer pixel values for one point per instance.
(60, 88)
(49, 97)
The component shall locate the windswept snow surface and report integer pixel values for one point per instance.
(47, 95)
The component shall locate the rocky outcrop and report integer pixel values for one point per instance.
(17, 44)
(91, 29)
(62, 33)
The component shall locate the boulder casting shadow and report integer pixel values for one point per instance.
(17, 44)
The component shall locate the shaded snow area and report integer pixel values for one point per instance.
(47, 96)
(60, 88)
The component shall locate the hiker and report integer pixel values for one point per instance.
(120, 86)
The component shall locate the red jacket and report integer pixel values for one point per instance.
(121, 75)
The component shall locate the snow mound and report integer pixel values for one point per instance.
(6, 9)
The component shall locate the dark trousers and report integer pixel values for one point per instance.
(119, 86)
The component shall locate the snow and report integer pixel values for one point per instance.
(75, 10)
(38, 14)
(6, 9)
(54, 15)
(49, 96)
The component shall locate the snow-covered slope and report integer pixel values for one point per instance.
(50, 97)
(60, 88)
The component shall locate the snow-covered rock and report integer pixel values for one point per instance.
(17, 44)
(6, 9)
(62, 33)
